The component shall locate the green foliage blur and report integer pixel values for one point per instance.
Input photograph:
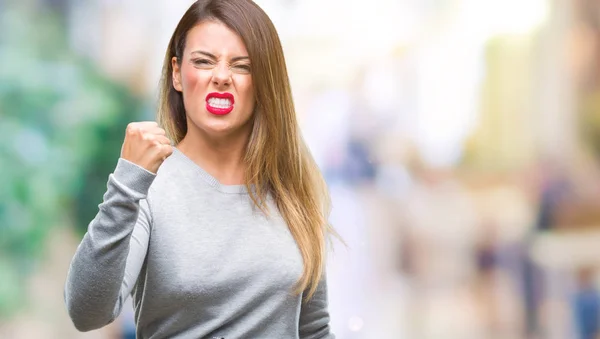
(61, 129)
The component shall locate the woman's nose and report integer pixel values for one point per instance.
(221, 75)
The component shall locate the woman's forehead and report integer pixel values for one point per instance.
(215, 38)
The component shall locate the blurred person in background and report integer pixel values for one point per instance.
(586, 305)
(554, 189)
(223, 234)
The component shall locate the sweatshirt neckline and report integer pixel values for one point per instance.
(212, 181)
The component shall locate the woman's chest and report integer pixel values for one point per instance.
(200, 251)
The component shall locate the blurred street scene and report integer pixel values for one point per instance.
(460, 140)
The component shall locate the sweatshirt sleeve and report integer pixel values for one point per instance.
(109, 258)
(314, 316)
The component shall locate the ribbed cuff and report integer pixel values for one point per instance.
(133, 176)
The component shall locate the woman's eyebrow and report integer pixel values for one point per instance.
(212, 56)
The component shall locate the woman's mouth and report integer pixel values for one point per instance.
(219, 103)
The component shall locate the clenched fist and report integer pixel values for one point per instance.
(146, 145)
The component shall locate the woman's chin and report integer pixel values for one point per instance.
(221, 129)
(220, 126)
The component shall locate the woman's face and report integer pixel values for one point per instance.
(215, 80)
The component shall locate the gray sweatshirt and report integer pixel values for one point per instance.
(198, 259)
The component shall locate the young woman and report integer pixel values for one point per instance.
(222, 235)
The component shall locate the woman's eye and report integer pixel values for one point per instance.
(242, 67)
(201, 62)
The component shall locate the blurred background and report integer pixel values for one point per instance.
(460, 140)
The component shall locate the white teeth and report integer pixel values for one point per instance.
(219, 102)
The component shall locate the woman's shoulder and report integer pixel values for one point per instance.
(168, 174)
(174, 176)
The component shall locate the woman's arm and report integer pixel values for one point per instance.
(108, 260)
(314, 316)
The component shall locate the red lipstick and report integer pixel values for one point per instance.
(219, 103)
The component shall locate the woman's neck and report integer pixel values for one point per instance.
(220, 157)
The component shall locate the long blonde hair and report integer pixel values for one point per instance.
(277, 160)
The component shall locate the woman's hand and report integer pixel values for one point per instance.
(146, 145)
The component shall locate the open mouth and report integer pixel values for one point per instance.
(219, 103)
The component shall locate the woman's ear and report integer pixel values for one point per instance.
(176, 75)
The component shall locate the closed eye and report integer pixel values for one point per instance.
(242, 67)
(202, 62)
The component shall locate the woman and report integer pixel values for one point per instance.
(224, 234)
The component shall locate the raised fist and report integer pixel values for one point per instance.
(146, 145)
